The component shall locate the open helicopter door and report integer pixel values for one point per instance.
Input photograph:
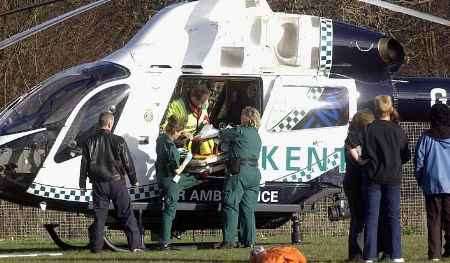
(304, 126)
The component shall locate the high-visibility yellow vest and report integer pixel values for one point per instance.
(180, 109)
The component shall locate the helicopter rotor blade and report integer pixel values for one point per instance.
(29, 7)
(52, 22)
(408, 11)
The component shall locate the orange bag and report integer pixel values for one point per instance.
(281, 254)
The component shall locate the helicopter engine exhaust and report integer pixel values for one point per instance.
(391, 51)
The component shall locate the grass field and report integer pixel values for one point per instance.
(316, 249)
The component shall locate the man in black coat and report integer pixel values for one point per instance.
(105, 161)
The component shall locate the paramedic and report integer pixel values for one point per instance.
(240, 194)
(170, 176)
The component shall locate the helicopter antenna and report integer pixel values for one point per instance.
(54, 21)
(408, 11)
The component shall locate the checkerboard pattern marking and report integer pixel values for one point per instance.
(296, 115)
(144, 192)
(78, 195)
(326, 47)
(303, 175)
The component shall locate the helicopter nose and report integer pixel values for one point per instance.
(21, 157)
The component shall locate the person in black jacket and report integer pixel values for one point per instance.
(352, 182)
(105, 161)
(385, 148)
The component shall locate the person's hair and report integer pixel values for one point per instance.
(105, 118)
(254, 118)
(200, 89)
(440, 121)
(439, 115)
(361, 119)
(395, 116)
(383, 106)
(173, 125)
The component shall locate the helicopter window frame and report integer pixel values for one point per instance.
(219, 83)
(62, 91)
(328, 108)
(80, 128)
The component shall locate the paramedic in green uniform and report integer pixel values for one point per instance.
(167, 171)
(241, 190)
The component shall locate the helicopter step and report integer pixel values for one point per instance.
(140, 207)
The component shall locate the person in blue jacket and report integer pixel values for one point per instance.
(432, 162)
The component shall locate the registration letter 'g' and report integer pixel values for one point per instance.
(438, 94)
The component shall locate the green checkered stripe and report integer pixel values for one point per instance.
(326, 47)
(297, 115)
(305, 175)
(78, 195)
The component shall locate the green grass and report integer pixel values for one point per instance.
(316, 249)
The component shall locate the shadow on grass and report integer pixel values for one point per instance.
(312, 260)
(28, 250)
(131, 259)
(203, 245)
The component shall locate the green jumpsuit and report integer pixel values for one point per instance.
(167, 161)
(241, 190)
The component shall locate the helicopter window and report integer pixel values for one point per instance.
(49, 104)
(21, 159)
(319, 107)
(228, 96)
(85, 123)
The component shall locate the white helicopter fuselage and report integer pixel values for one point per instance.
(194, 40)
(279, 63)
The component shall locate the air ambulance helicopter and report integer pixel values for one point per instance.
(307, 75)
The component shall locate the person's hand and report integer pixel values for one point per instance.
(178, 171)
(187, 135)
(136, 184)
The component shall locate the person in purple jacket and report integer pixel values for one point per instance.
(432, 162)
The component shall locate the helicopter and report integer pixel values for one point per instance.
(307, 75)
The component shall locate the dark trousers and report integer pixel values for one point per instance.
(117, 192)
(438, 219)
(356, 232)
(385, 198)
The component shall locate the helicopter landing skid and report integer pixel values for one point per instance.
(58, 241)
(110, 245)
(65, 246)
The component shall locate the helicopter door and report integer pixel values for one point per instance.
(304, 126)
(139, 124)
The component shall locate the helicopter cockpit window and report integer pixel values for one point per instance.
(49, 104)
(313, 107)
(228, 96)
(85, 123)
